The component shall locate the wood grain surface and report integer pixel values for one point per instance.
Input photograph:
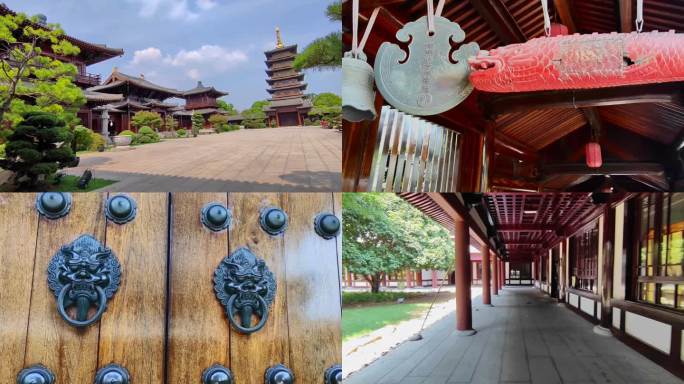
(69, 352)
(313, 298)
(198, 330)
(17, 257)
(132, 331)
(251, 355)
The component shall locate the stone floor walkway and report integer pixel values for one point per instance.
(306, 159)
(524, 338)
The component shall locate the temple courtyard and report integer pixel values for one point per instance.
(292, 159)
(525, 337)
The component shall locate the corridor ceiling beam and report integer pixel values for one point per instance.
(501, 104)
(525, 228)
(500, 20)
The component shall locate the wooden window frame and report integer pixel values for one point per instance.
(583, 244)
(659, 277)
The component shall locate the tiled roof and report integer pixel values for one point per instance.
(200, 88)
(122, 78)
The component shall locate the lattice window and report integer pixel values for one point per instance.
(584, 260)
(660, 218)
(413, 155)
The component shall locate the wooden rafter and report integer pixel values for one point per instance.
(500, 20)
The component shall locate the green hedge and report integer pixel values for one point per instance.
(380, 297)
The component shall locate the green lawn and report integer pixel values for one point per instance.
(360, 321)
(70, 184)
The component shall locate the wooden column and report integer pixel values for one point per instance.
(408, 278)
(434, 278)
(607, 273)
(486, 296)
(464, 316)
(495, 273)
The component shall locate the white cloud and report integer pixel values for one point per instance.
(207, 60)
(208, 55)
(186, 10)
(150, 54)
(194, 74)
(206, 4)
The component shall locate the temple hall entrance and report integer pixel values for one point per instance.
(288, 119)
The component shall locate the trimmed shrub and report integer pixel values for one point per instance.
(39, 146)
(146, 135)
(181, 133)
(2, 151)
(98, 143)
(83, 138)
(127, 133)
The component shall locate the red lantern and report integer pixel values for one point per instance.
(593, 154)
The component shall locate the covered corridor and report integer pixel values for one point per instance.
(525, 337)
(576, 288)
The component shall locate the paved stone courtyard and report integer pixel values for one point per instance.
(294, 159)
(524, 338)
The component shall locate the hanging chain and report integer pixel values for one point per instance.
(640, 15)
(357, 47)
(547, 19)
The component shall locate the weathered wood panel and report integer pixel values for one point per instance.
(132, 331)
(198, 330)
(69, 352)
(251, 355)
(313, 298)
(17, 257)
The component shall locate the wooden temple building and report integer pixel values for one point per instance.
(288, 106)
(115, 100)
(526, 141)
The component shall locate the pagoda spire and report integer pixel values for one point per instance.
(279, 39)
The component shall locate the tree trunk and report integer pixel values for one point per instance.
(374, 281)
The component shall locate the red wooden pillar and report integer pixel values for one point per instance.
(464, 315)
(419, 278)
(501, 274)
(495, 273)
(408, 278)
(434, 278)
(486, 295)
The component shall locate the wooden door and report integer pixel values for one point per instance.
(164, 324)
(303, 328)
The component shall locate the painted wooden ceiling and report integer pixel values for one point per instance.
(494, 23)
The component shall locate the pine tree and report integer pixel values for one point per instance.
(31, 81)
(38, 148)
(197, 123)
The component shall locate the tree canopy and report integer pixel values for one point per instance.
(384, 234)
(324, 52)
(254, 116)
(147, 119)
(31, 81)
(230, 108)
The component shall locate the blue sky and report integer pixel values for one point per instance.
(177, 42)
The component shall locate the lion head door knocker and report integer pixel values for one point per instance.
(83, 275)
(246, 288)
(432, 77)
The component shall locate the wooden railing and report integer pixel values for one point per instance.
(88, 79)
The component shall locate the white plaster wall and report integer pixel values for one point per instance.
(507, 271)
(566, 244)
(651, 332)
(618, 287)
(574, 300)
(598, 310)
(616, 318)
(587, 306)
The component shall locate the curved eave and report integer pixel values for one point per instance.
(301, 86)
(284, 58)
(272, 80)
(213, 92)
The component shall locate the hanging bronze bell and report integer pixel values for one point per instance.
(358, 96)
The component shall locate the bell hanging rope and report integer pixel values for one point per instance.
(581, 61)
(358, 96)
(431, 77)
